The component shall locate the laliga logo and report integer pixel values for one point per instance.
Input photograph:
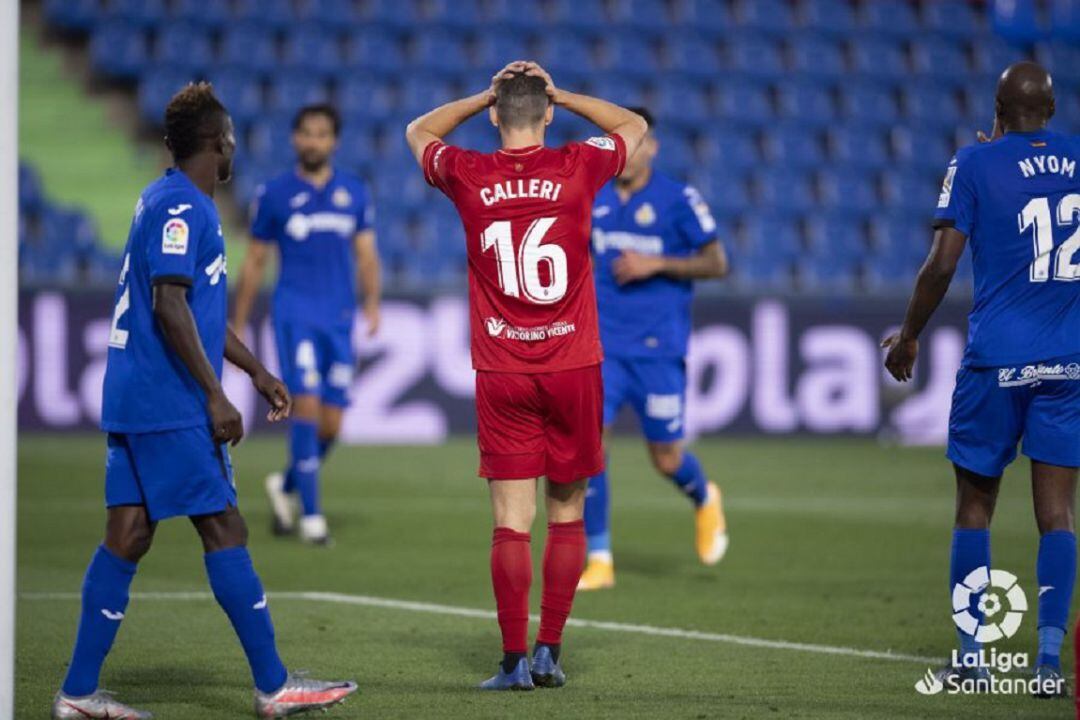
(994, 584)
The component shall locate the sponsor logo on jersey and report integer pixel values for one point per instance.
(1035, 374)
(341, 198)
(497, 327)
(618, 240)
(603, 142)
(174, 237)
(946, 186)
(179, 209)
(299, 225)
(645, 215)
(601, 211)
(216, 269)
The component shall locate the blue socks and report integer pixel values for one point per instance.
(325, 446)
(597, 513)
(1056, 572)
(240, 593)
(690, 478)
(104, 600)
(970, 550)
(304, 469)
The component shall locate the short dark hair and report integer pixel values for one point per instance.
(193, 116)
(644, 112)
(521, 101)
(327, 110)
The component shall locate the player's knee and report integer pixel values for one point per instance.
(973, 516)
(222, 531)
(666, 458)
(131, 542)
(329, 429)
(1055, 519)
(306, 407)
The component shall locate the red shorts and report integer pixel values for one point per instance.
(540, 424)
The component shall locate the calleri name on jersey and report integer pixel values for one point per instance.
(527, 219)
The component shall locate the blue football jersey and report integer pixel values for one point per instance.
(314, 229)
(650, 318)
(176, 237)
(1017, 200)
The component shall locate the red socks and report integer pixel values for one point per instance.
(564, 560)
(511, 576)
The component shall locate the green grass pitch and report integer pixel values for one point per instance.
(838, 543)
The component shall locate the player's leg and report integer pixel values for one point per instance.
(600, 564)
(295, 358)
(239, 591)
(338, 363)
(330, 418)
(305, 464)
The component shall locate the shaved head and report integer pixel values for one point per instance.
(1025, 96)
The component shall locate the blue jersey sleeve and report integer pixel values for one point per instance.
(365, 209)
(694, 220)
(264, 225)
(957, 201)
(172, 244)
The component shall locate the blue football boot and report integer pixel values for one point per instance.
(1051, 683)
(545, 671)
(519, 679)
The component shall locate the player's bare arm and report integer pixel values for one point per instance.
(441, 121)
(272, 389)
(609, 117)
(930, 288)
(251, 276)
(369, 276)
(173, 315)
(709, 263)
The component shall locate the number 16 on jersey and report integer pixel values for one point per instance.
(520, 271)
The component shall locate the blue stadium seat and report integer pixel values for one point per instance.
(241, 92)
(727, 152)
(618, 89)
(817, 57)
(931, 106)
(249, 45)
(681, 104)
(912, 193)
(1016, 20)
(847, 193)
(492, 50)
(710, 17)
(421, 93)
(828, 273)
(312, 47)
(953, 19)
(565, 55)
(156, 88)
(990, 56)
(860, 147)
(439, 50)
(784, 192)
(72, 15)
(921, 150)
(677, 156)
(809, 103)
(211, 16)
(835, 18)
(649, 17)
(793, 146)
(292, 89)
(521, 17)
(869, 104)
(145, 14)
(629, 55)
(728, 196)
(371, 50)
(744, 103)
(878, 58)
(1065, 20)
(269, 138)
(768, 17)
(895, 18)
(836, 234)
(119, 50)
(1062, 59)
(275, 14)
(588, 17)
(943, 60)
(184, 47)
(356, 147)
(338, 14)
(692, 55)
(456, 15)
(756, 57)
(363, 95)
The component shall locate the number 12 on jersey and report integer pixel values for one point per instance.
(520, 272)
(1036, 214)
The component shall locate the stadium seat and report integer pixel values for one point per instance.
(895, 18)
(952, 19)
(618, 89)
(250, 46)
(119, 50)
(312, 47)
(291, 90)
(768, 17)
(585, 17)
(456, 15)
(565, 55)
(921, 150)
(1065, 20)
(836, 234)
(630, 55)
(869, 104)
(1016, 20)
(208, 16)
(241, 92)
(728, 152)
(831, 18)
(144, 14)
(745, 104)
(1062, 59)
(420, 94)
(727, 196)
(808, 103)
(784, 193)
(991, 56)
(691, 55)
(793, 146)
(931, 106)
(516, 17)
(912, 193)
(274, 14)
(647, 17)
(860, 147)
(847, 194)
(755, 57)
(880, 59)
(827, 273)
(362, 95)
(816, 57)
(710, 17)
(183, 47)
(372, 50)
(942, 60)
(78, 16)
(440, 50)
(329, 13)
(156, 89)
(681, 104)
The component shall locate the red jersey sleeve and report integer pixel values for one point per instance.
(603, 157)
(440, 161)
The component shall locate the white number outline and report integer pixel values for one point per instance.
(1036, 215)
(117, 337)
(521, 271)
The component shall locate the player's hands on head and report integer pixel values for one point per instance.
(226, 424)
(275, 393)
(508, 71)
(632, 266)
(900, 359)
(533, 68)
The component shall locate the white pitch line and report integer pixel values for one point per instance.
(437, 609)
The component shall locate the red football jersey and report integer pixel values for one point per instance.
(527, 215)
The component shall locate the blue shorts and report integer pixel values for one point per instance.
(316, 360)
(175, 472)
(654, 387)
(993, 408)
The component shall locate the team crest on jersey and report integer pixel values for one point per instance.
(603, 142)
(174, 237)
(341, 198)
(645, 215)
(946, 186)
